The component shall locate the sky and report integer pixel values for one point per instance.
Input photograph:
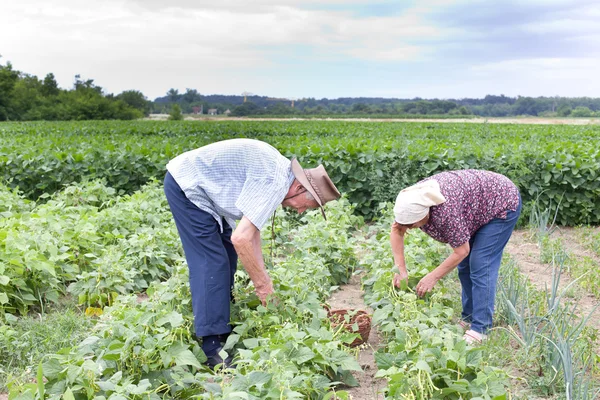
(310, 48)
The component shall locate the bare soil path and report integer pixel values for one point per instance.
(350, 296)
(571, 241)
(523, 120)
(526, 252)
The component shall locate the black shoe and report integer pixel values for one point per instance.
(216, 360)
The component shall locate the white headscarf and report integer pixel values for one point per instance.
(412, 203)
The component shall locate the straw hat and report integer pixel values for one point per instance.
(317, 182)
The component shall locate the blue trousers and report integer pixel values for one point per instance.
(478, 272)
(211, 260)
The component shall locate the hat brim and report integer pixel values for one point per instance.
(300, 176)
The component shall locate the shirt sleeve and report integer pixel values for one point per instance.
(259, 198)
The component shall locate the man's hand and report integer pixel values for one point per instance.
(426, 284)
(264, 292)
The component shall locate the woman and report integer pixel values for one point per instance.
(474, 212)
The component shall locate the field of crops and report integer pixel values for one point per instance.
(370, 162)
(89, 250)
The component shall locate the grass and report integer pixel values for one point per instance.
(26, 340)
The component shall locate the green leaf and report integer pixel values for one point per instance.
(259, 379)
(302, 355)
(40, 381)
(423, 366)
(174, 318)
(68, 395)
(186, 357)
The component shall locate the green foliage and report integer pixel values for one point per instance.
(84, 239)
(146, 348)
(582, 112)
(553, 338)
(136, 99)
(24, 342)
(370, 162)
(175, 114)
(425, 356)
(25, 97)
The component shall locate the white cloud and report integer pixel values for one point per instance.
(229, 46)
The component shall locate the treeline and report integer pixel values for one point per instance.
(24, 97)
(192, 102)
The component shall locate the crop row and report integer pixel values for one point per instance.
(425, 356)
(145, 349)
(370, 162)
(86, 241)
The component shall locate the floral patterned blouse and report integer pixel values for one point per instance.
(473, 198)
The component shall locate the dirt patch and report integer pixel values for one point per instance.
(350, 296)
(526, 252)
(523, 120)
(3, 396)
(570, 240)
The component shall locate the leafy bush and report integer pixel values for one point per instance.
(370, 162)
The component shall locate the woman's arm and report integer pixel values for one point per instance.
(428, 282)
(397, 242)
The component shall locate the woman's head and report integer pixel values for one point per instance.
(417, 224)
(413, 203)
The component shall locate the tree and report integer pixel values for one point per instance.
(581, 112)
(8, 80)
(136, 99)
(247, 108)
(49, 86)
(175, 114)
(564, 110)
(173, 95)
(191, 96)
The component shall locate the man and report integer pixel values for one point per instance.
(207, 190)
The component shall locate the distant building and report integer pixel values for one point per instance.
(197, 110)
(227, 112)
(212, 111)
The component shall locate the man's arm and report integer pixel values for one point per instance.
(246, 240)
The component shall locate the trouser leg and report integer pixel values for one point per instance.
(485, 258)
(231, 254)
(209, 262)
(464, 274)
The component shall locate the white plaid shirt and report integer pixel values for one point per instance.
(234, 178)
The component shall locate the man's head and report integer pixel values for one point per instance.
(299, 198)
(312, 188)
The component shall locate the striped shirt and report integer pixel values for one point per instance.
(234, 178)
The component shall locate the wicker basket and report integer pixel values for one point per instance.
(359, 317)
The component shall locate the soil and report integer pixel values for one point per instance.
(525, 251)
(570, 240)
(523, 120)
(350, 296)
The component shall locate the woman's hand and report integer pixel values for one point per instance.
(426, 284)
(402, 275)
